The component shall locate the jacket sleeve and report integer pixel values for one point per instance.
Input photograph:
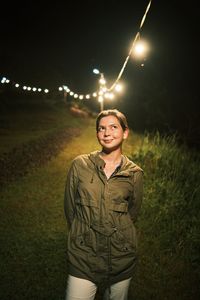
(135, 204)
(70, 192)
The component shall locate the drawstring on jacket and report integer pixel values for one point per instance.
(92, 178)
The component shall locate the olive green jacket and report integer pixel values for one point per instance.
(101, 213)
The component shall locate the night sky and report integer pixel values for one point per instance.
(48, 44)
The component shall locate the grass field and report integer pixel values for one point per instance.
(33, 229)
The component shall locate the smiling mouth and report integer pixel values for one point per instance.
(107, 141)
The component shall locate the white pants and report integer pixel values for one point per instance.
(78, 288)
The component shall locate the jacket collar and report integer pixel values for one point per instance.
(125, 168)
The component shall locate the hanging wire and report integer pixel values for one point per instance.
(94, 94)
(131, 49)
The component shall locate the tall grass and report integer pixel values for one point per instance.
(169, 224)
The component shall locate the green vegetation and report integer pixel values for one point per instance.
(33, 229)
(169, 225)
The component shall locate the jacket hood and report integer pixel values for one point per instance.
(127, 166)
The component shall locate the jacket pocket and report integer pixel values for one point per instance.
(119, 206)
(124, 238)
(79, 236)
(83, 241)
(124, 241)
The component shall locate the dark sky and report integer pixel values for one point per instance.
(48, 44)
(61, 42)
(51, 43)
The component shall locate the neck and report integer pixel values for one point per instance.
(111, 157)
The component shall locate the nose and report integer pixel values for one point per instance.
(107, 131)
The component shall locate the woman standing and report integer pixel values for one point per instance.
(103, 196)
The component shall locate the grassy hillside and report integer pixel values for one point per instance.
(26, 120)
(33, 230)
(32, 131)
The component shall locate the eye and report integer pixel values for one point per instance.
(100, 129)
(114, 126)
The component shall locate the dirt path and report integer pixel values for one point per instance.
(22, 159)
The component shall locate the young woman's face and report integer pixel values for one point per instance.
(110, 133)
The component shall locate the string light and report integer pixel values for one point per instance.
(104, 91)
(137, 37)
(5, 80)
